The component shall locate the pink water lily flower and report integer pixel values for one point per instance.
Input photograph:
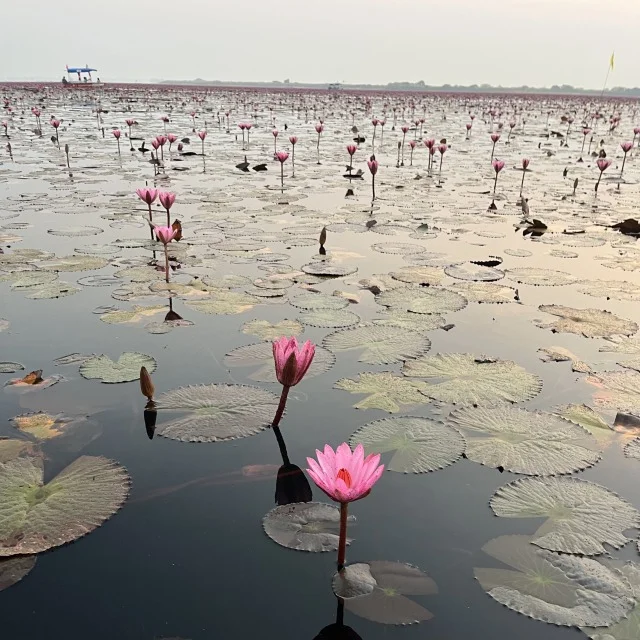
(282, 156)
(495, 137)
(171, 137)
(202, 135)
(291, 361)
(603, 164)
(293, 140)
(345, 475)
(498, 165)
(167, 199)
(55, 123)
(147, 195)
(116, 134)
(351, 149)
(626, 146)
(373, 166)
(525, 163)
(165, 234)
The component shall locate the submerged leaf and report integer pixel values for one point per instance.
(582, 516)
(521, 441)
(305, 526)
(420, 445)
(216, 412)
(35, 516)
(463, 378)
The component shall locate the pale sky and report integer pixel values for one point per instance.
(499, 42)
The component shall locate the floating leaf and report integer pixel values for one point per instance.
(329, 318)
(121, 316)
(11, 448)
(629, 628)
(74, 263)
(560, 354)
(328, 269)
(28, 279)
(13, 570)
(561, 590)
(582, 516)
(73, 358)
(11, 367)
(402, 248)
(261, 355)
(587, 418)
(463, 378)
(422, 299)
(521, 441)
(32, 382)
(305, 526)
(540, 277)
(44, 426)
(217, 412)
(420, 322)
(224, 302)
(420, 444)
(126, 369)
(387, 603)
(485, 292)
(55, 289)
(619, 390)
(418, 275)
(611, 290)
(35, 516)
(385, 391)
(590, 323)
(473, 272)
(632, 449)
(380, 344)
(266, 330)
(353, 581)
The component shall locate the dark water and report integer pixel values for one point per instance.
(190, 559)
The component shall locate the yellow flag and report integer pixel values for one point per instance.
(611, 61)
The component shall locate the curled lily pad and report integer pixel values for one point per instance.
(591, 323)
(420, 445)
(581, 516)
(216, 412)
(126, 369)
(385, 391)
(11, 367)
(260, 355)
(33, 381)
(266, 330)
(380, 344)
(463, 378)
(35, 516)
(44, 426)
(521, 441)
(587, 418)
(353, 581)
(305, 526)
(387, 603)
(562, 590)
(560, 354)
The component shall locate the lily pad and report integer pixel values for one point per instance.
(35, 516)
(126, 369)
(216, 412)
(43, 426)
(74, 263)
(540, 277)
(582, 516)
(485, 292)
(13, 570)
(223, 302)
(121, 316)
(619, 390)
(422, 299)
(562, 590)
(260, 355)
(587, 418)
(305, 526)
(464, 378)
(353, 581)
(632, 449)
(328, 269)
(11, 448)
(560, 354)
(473, 272)
(418, 275)
(521, 441)
(590, 323)
(11, 367)
(55, 289)
(420, 322)
(387, 602)
(313, 301)
(385, 391)
(329, 318)
(420, 445)
(611, 290)
(380, 344)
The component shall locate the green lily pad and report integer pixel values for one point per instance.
(581, 516)
(464, 378)
(216, 412)
(587, 418)
(126, 369)
(521, 441)
(540, 277)
(13, 570)
(590, 323)
(136, 314)
(224, 302)
(266, 330)
(329, 318)
(422, 299)
(380, 344)
(35, 516)
(73, 263)
(420, 445)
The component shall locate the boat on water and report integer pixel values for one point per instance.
(84, 77)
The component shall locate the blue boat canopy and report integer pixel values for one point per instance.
(80, 70)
